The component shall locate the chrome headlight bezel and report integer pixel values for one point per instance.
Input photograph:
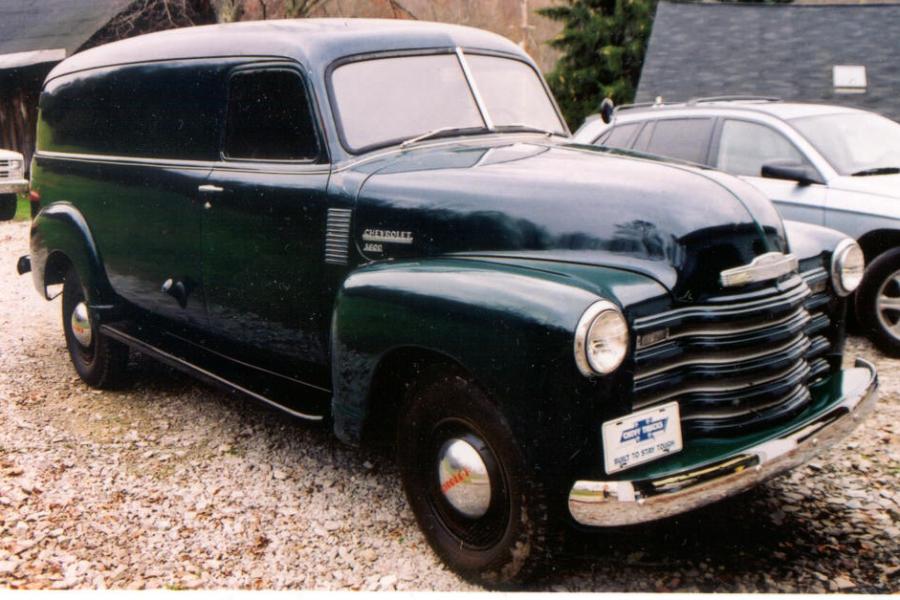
(584, 334)
(845, 283)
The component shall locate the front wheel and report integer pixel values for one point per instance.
(878, 302)
(99, 361)
(474, 497)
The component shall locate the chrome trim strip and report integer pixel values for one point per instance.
(724, 310)
(762, 268)
(722, 330)
(814, 275)
(722, 358)
(128, 160)
(474, 87)
(746, 383)
(627, 502)
(792, 395)
(263, 166)
(337, 236)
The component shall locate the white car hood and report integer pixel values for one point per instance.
(880, 185)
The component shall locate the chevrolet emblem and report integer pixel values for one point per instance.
(764, 267)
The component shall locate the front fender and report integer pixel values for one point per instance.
(61, 230)
(508, 326)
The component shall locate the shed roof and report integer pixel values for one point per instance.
(784, 50)
(39, 31)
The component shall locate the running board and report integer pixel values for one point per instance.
(196, 371)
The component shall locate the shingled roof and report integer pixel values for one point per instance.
(784, 50)
(38, 31)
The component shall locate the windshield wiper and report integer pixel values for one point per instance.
(877, 171)
(439, 132)
(525, 128)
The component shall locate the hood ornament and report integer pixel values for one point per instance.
(764, 267)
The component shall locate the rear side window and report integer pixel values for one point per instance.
(745, 147)
(161, 110)
(620, 136)
(269, 117)
(686, 139)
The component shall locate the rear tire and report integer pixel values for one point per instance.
(496, 540)
(878, 302)
(8, 203)
(101, 362)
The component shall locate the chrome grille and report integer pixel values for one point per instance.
(736, 361)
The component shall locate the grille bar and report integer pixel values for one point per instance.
(738, 361)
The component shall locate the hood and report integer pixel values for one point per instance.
(880, 185)
(679, 224)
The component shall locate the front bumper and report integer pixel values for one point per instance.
(13, 186)
(626, 502)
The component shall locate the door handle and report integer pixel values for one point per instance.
(210, 189)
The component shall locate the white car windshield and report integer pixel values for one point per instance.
(385, 101)
(854, 143)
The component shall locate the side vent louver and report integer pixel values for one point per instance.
(337, 236)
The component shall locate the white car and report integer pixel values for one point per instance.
(828, 165)
(12, 182)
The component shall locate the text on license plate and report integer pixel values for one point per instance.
(642, 436)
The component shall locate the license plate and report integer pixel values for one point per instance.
(642, 436)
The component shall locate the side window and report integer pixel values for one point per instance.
(165, 110)
(745, 147)
(687, 139)
(269, 117)
(619, 136)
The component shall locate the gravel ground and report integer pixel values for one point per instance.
(170, 484)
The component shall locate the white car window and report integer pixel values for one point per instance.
(745, 147)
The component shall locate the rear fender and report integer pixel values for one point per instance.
(60, 236)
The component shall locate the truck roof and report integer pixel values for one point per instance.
(315, 42)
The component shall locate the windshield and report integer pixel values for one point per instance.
(853, 142)
(389, 100)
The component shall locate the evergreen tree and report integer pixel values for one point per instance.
(603, 44)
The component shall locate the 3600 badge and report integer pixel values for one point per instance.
(642, 436)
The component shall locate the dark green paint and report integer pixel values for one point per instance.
(512, 236)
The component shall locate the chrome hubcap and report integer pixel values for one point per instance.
(464, 478)
(81, 325)
(888, 304)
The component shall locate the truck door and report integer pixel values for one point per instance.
(265, 207)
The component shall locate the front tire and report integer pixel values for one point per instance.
(8, 203)
(98, 360)
(467, 481)
(878, 302)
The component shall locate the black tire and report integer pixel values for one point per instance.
(516, 537)
(881, 282)
(8, 203)
(101, 364)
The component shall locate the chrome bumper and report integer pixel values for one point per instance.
(13, 186)
(615, 503)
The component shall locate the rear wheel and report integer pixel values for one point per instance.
(99, 361)
(8, 204)
(474, 497)
(878, 302)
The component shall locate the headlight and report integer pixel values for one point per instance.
(601, 339)
(847, 267)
